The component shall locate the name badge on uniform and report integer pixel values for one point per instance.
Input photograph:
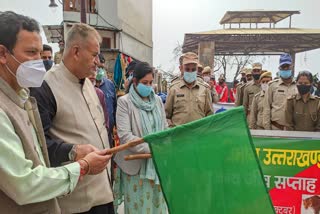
(280, 90)
(251, 93)
(180, 95)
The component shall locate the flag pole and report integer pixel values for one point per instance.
(128, 145)
(137, 157)
(125, 146)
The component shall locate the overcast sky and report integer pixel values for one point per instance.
(173, 18)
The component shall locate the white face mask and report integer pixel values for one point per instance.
(264, 86)
(30, 73)
(206, 79)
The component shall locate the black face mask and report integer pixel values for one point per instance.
(256, 76)
(243, 79)
(304, 89)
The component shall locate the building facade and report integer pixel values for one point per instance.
(124, 25)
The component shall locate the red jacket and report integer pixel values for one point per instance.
(222, 90)
(233, 92)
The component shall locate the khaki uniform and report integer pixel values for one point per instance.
(240, 93)
(248, 94)
(274, 104)
(214, 95)
(57, 57)
(256, 114)
(174, 80)
(237, 103)
(200, 79)
(185, 104)
(302, 116)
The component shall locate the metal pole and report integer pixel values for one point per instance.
(293, 56)
(290, 22)
(83, 12)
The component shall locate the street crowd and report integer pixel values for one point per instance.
(59, 117)
(284, 102)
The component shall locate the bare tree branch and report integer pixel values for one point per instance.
(177, 51)
(242, 61)
(217, 69)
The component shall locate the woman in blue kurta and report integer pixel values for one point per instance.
(139, 113)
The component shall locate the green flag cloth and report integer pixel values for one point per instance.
(210, 166)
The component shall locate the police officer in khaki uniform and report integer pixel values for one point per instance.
(253, 88)
(256, 113)
(241, 87)
(206, 75)
(200, 69)
(303, 109)
(58, 55)
(278, 92)
(243, 80)
(188, 98)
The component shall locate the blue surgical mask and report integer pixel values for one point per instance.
(144, 90)
(190, 77)
(285, 74)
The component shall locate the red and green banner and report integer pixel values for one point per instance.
(210, 166)
(291, 170)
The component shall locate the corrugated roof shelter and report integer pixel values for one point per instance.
(257, 16)
(252, 41)
(263, 41)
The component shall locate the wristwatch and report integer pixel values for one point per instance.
(73, 153)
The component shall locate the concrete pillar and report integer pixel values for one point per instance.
(206, 51)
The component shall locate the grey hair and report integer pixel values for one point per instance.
(79, 32)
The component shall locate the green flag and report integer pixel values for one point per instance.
(210, 166)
